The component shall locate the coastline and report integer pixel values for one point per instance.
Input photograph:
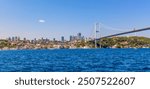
(66, 48)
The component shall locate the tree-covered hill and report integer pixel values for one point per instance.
(125, 42)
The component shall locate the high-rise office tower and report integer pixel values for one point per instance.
(62, 39)
(79, 36)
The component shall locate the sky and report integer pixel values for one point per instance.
(56, 18)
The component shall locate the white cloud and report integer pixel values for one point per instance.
(41, 21)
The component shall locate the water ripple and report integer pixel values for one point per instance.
(76, 60)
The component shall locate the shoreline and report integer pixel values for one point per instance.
(67, 48)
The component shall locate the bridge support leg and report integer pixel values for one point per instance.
(97, 27)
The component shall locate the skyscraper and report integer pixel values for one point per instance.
(9, 39)
(24, 39)
(62, 39)
(70, 38)
(16, 38)
(79, 36)
(13, 38)
(54, 39)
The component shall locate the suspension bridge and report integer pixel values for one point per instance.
(97, 27)
(128, 32)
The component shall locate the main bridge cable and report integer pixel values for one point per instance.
(112, 28)
(128, 32)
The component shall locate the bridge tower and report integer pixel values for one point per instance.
(96, 30)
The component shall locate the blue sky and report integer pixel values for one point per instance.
(56, 18)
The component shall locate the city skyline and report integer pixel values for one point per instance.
(56, 18)
(78, 36)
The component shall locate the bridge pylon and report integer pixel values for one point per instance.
(96, 30)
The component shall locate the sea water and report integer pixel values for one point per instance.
(75, 60)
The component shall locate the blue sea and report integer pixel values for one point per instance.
(75, 60)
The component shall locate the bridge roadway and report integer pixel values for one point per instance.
(123, 33)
